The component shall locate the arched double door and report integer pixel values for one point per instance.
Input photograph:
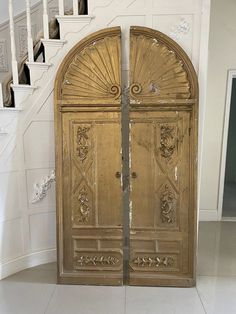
(153, 240)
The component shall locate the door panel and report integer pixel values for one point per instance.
(160, 152)
(163, 141)
(88, 161)
(92, 210)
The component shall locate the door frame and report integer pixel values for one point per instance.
(231, 75)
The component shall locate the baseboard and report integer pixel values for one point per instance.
(208, 215)
(27, 261)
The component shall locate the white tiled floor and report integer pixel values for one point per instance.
(34, 291)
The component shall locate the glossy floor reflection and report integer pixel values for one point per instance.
(35, 290)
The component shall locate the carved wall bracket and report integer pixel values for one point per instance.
(40, 189)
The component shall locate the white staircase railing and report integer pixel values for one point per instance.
(1, 96)
(45, 20)
(29, 33)
(16, 86)
(13, 44)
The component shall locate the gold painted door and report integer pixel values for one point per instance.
(101, 241)
(163, 162)
(89, 162)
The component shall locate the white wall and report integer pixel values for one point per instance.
(19, 7)
(222, 57)
(27, 231)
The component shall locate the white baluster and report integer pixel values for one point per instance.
(61, 7)
(75, 7)
(29, 32)
(45, 19)
(13, 45)
(1, 96)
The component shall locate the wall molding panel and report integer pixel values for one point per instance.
(3, 56)
(27, 261)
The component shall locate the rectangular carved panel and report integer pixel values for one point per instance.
(160, 237)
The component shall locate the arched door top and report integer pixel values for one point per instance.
(160, 70)
(90, 73)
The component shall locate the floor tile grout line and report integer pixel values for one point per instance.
(50, 299)
(201, 301)
(125, 301)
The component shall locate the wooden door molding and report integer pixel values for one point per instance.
(163, 147)
(88, 158)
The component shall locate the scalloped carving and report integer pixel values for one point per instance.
(94, 72)
(156, 71)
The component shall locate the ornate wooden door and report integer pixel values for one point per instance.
(92, 234)
(88, 142)
(163, 105)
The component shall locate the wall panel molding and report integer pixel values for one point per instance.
(3, 56)
(208, 215)
(27, 261)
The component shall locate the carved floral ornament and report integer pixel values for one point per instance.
(153, 261)
(168, 205)
(167, 140)
(97, 260)
(82, 142)
(179, 30)
(41, 188)
(82, 208)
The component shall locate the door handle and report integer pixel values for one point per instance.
(133, 175)
(118, 175)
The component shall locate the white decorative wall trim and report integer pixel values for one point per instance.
(40, 189)
(27, 261)
(3, 131)
(3, 56)
(177, 31)
(208, 215)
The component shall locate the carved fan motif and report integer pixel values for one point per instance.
(95, 71)
(156, 72)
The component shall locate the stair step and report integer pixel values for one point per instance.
(21, 93)
(52, 46)
(37, 70)
(72, 23)
(10, 109)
